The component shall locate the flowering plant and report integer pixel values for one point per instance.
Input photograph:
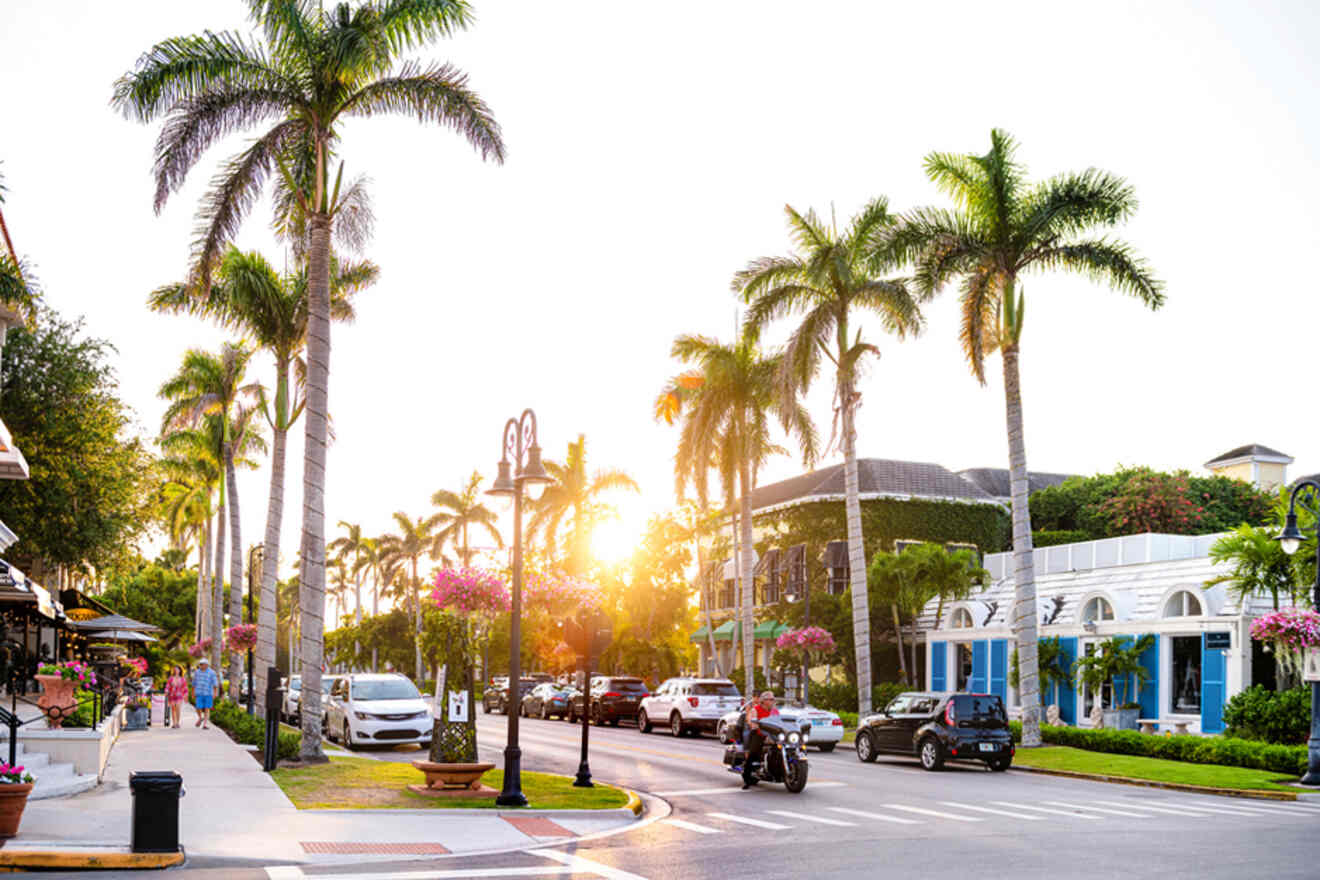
(241, 637)
(201, 648)
(72, 670)
(808, 639)
(470, 591)
(14, 775)
(552, 589)
(1288, 632)
(137, 664)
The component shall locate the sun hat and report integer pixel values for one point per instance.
(203, 660)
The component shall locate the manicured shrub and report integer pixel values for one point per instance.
(249, 730)
(1282, 717)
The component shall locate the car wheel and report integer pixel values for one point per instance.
(865, 748)
(485, 706)
(932, 753)
(596, 717)
(676, 724)
(643, 723)
(348, 738)
(722, 733)
(572, 715)
(544, 717)
(826, 747)
(999, 765)
(614, 722)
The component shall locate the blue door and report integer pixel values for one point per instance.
(1068, 696)
(1212, 688)
(980, 680)
(938, 660)
(999, 668)
(1149, 696)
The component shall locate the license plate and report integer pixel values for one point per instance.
(989, 747)
(819, 722)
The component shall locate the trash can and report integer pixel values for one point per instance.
(156, 796)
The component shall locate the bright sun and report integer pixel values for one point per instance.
(613, 542)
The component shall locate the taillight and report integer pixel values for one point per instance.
(694, 702)
(837, 722)
(950, 716)
(611, 694)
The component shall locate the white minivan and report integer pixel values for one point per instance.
(370, 709)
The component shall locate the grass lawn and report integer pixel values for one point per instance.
(361, 783)
(1157, 769)
(849, 735)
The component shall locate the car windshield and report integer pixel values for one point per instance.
(714, 689)
(627, 686)
(385, 689)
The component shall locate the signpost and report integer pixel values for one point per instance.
(589, 635)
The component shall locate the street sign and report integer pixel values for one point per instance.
(458, 706)
(1311, 668)
(1218, 640)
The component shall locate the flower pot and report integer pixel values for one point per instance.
(56, 698)
(136, 717)
(452, 777)
(13, 798)
(1121, 719)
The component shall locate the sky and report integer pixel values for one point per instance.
(651, 151)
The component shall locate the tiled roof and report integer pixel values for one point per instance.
(875, 476)
(1314, 478)
(1251, 449)
(995, 481)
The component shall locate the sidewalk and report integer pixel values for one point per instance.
(233, 810)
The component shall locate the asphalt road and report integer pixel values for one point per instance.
(889, 819)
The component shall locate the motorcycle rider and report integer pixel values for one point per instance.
(762, 707)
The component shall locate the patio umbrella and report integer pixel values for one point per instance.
(121, 635)
(115, 622)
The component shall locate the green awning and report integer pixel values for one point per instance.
(698, 636)
(725, 631)
(769, 629)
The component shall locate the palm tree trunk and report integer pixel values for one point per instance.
(705, 606)
(375, 611)
(218, 587)
(235, 573)
(856, 549)
(417, 626)
(312, 570)
(202, 605)
(357, 591)
(270, 564)
(898, 634)
(1024, 569)
(745, 573)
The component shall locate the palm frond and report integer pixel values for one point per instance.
(1109, 262)
(182, 68)
(978, 331)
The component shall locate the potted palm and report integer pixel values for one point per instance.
(1118, 662)
(15, 786)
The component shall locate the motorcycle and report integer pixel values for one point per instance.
(783, 757)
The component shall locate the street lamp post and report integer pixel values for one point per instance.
(524, 474)
(259, 551)
(1290, 539)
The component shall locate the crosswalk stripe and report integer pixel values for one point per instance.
(733, 789)
(578, 865)
(807, 818)
(937, 813)
(995, 812)
(1046, 810)
(1282, 809)
(692, 826)
(1217, 808)
(883, 818)
(1143, 805)
(1109, 810)
(757, 823)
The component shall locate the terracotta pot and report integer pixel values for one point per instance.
(57, 692)
(13, 798)
(452, 776)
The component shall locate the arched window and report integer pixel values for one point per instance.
(1183, 604)
(962, 619)
(1096, 610)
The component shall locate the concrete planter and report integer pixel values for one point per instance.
(1121, 719)
(57, 699)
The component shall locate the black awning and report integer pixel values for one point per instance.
(767, 563)
(836, 554)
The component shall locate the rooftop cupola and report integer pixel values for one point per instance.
(1260, 466)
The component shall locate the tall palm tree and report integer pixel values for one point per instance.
(271, 310)
(1002, 227)
(577, 496)
(187, 499)
(207, 383)
(830, 281)
(416, 538)
(317, 68)
(460, 511)
(726, 404)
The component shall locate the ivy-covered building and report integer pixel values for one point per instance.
(800, 533)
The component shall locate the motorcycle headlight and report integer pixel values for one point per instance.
(805, 736)
(793, 738)
(781, 737)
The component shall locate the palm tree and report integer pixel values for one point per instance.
(575, 495)
(350, 547)
(187, 501)
(370, 557)
(19, 292)
(1002, 227)
(318, 68)
(1259, 566)
(416, 539)
(830, 280)
(207, 383)
(270, 309)
(726, 404)
(459, 511)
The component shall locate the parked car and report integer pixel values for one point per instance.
(293, 698)
(377, 709)
(937, 727)
(689, 705)
(826, 726)
(547, 700)
(496, 699)
(613, 698)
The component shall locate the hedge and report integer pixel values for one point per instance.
(1224, 751)
(1274, 717)
(249, 730)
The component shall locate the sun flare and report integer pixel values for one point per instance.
(612, 541)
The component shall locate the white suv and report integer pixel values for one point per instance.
(366, 709)
(688, 704)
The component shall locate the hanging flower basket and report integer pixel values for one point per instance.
(1287, 633)
(200, 649)
(242, 637)
(808, 639)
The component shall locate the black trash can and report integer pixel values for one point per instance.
(156, 796)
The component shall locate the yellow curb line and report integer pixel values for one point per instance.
(82, 860)
(634, 802)
(1257, 793)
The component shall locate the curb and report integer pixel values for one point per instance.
(1255, 793)
(634, 802)
(85, 857)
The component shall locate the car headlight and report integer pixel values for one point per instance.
(793, 738)
(362, 716)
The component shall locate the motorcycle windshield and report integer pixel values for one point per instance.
(773, 725)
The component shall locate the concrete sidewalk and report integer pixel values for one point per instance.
(233, 810)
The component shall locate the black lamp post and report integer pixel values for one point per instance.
(1290, 539)
(258, 551)
(524, 474)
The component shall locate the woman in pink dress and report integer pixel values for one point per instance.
(176, 691)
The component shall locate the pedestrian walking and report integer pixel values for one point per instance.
(176, 691)
(206, 689)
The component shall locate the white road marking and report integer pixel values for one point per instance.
(880, 816)
(691, 826)
(1109, 810)
(577, 865)
(1146, 806)
(731, 789)
(1046, 810)
(808, 818)
(534, 871)
(758, 823)
(1283, 809)
(937, 813)
(996, 812)
(1227, 811)
(284, 872)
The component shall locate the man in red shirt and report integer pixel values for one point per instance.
(759, 708)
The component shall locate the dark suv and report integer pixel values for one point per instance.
(937, 727)
(496, 699)
(612, 697)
